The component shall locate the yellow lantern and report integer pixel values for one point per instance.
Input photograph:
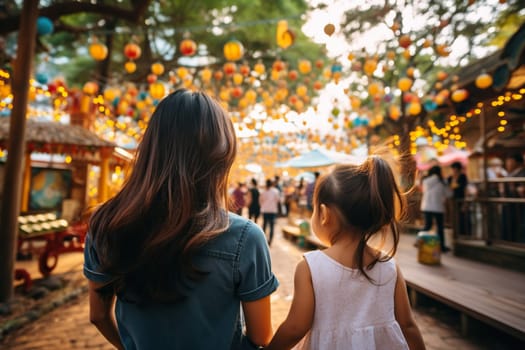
(130, 67)
(233, 50)
(374, 89)
(484, 81)
(259, 68)
(301, 90)
(98, 51)
(355, 102)
(414, 108)
(305, 66)
(370, 66)
(182, 72)
(251, 96)
(404, 84)
(90, 88)
(206, 74)
(284, 36)
(459, 95)
(394, 112)
(110, 94)
(157, 68)
(157, 90)
(238, 78)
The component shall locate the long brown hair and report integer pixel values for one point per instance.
(368, 202)
(173, 201)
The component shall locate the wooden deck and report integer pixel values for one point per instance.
(490, 294)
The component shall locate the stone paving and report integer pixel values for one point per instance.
(68, 327)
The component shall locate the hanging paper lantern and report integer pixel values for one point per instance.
(157, 68)
(442, 50)
(404, 84)
(151, 78)
(329, 29)
(251, 96)
(130, 67)
(90, 88)
(244, 70)
(405, 41)
(278, 65)
(259, 68)
(233, 50)
(293, 75)
(370, 66)
(305, 66)
(301, 90)
(238, 78)
(182, 72)
(484, 81)
(187, 47)
(217, 75)
(44, 26)
(229, 68)
(414, 108)
(284, 36)
(132, 51)
(42, 78)
(206, 74)
(98, 51)
(157, 91)
(394, 112)
(318, 85)
(110, 94)
(374, 89)
(459, 95)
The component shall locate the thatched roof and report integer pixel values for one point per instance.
(49, 135)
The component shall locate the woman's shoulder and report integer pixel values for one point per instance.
(240, 230)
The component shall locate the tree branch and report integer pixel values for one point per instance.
(55, 11)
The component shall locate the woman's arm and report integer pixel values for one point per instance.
(404, 317)
(101, 313)
(258, 317)
(301, 314)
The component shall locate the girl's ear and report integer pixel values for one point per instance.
(324, 214)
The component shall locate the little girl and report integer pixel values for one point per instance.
(350, 295)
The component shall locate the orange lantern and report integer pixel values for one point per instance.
(459, 95)
(245, 70)
(278, 65)
(259, 68)
(206, 74)
(229, 68)
(301, 90)
(157, 68)
(182, 72)
(405, 41)
(404, 84)
(217, 75)
(484, 81)
(414, 108)
(157, 91)
(98, 51)
(233, 50)
(90, 88)
(151, 78)
(305, 66)
(187, 47)
(236, 92)
(130, 67)
(132, 51)
(293, 75)
(370, 66)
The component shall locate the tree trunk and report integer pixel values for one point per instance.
(13, 170)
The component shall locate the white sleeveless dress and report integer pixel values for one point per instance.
(350, 311)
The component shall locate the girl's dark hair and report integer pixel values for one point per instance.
(172, 203)
(436, 170)
(367, 200)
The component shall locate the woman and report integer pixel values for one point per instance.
(435, 194)
(270, 199)
(178, 265)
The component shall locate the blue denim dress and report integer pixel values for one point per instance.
(238, 262)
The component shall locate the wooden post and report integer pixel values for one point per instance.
(105, 154)
(26, 184)
(13, 170)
